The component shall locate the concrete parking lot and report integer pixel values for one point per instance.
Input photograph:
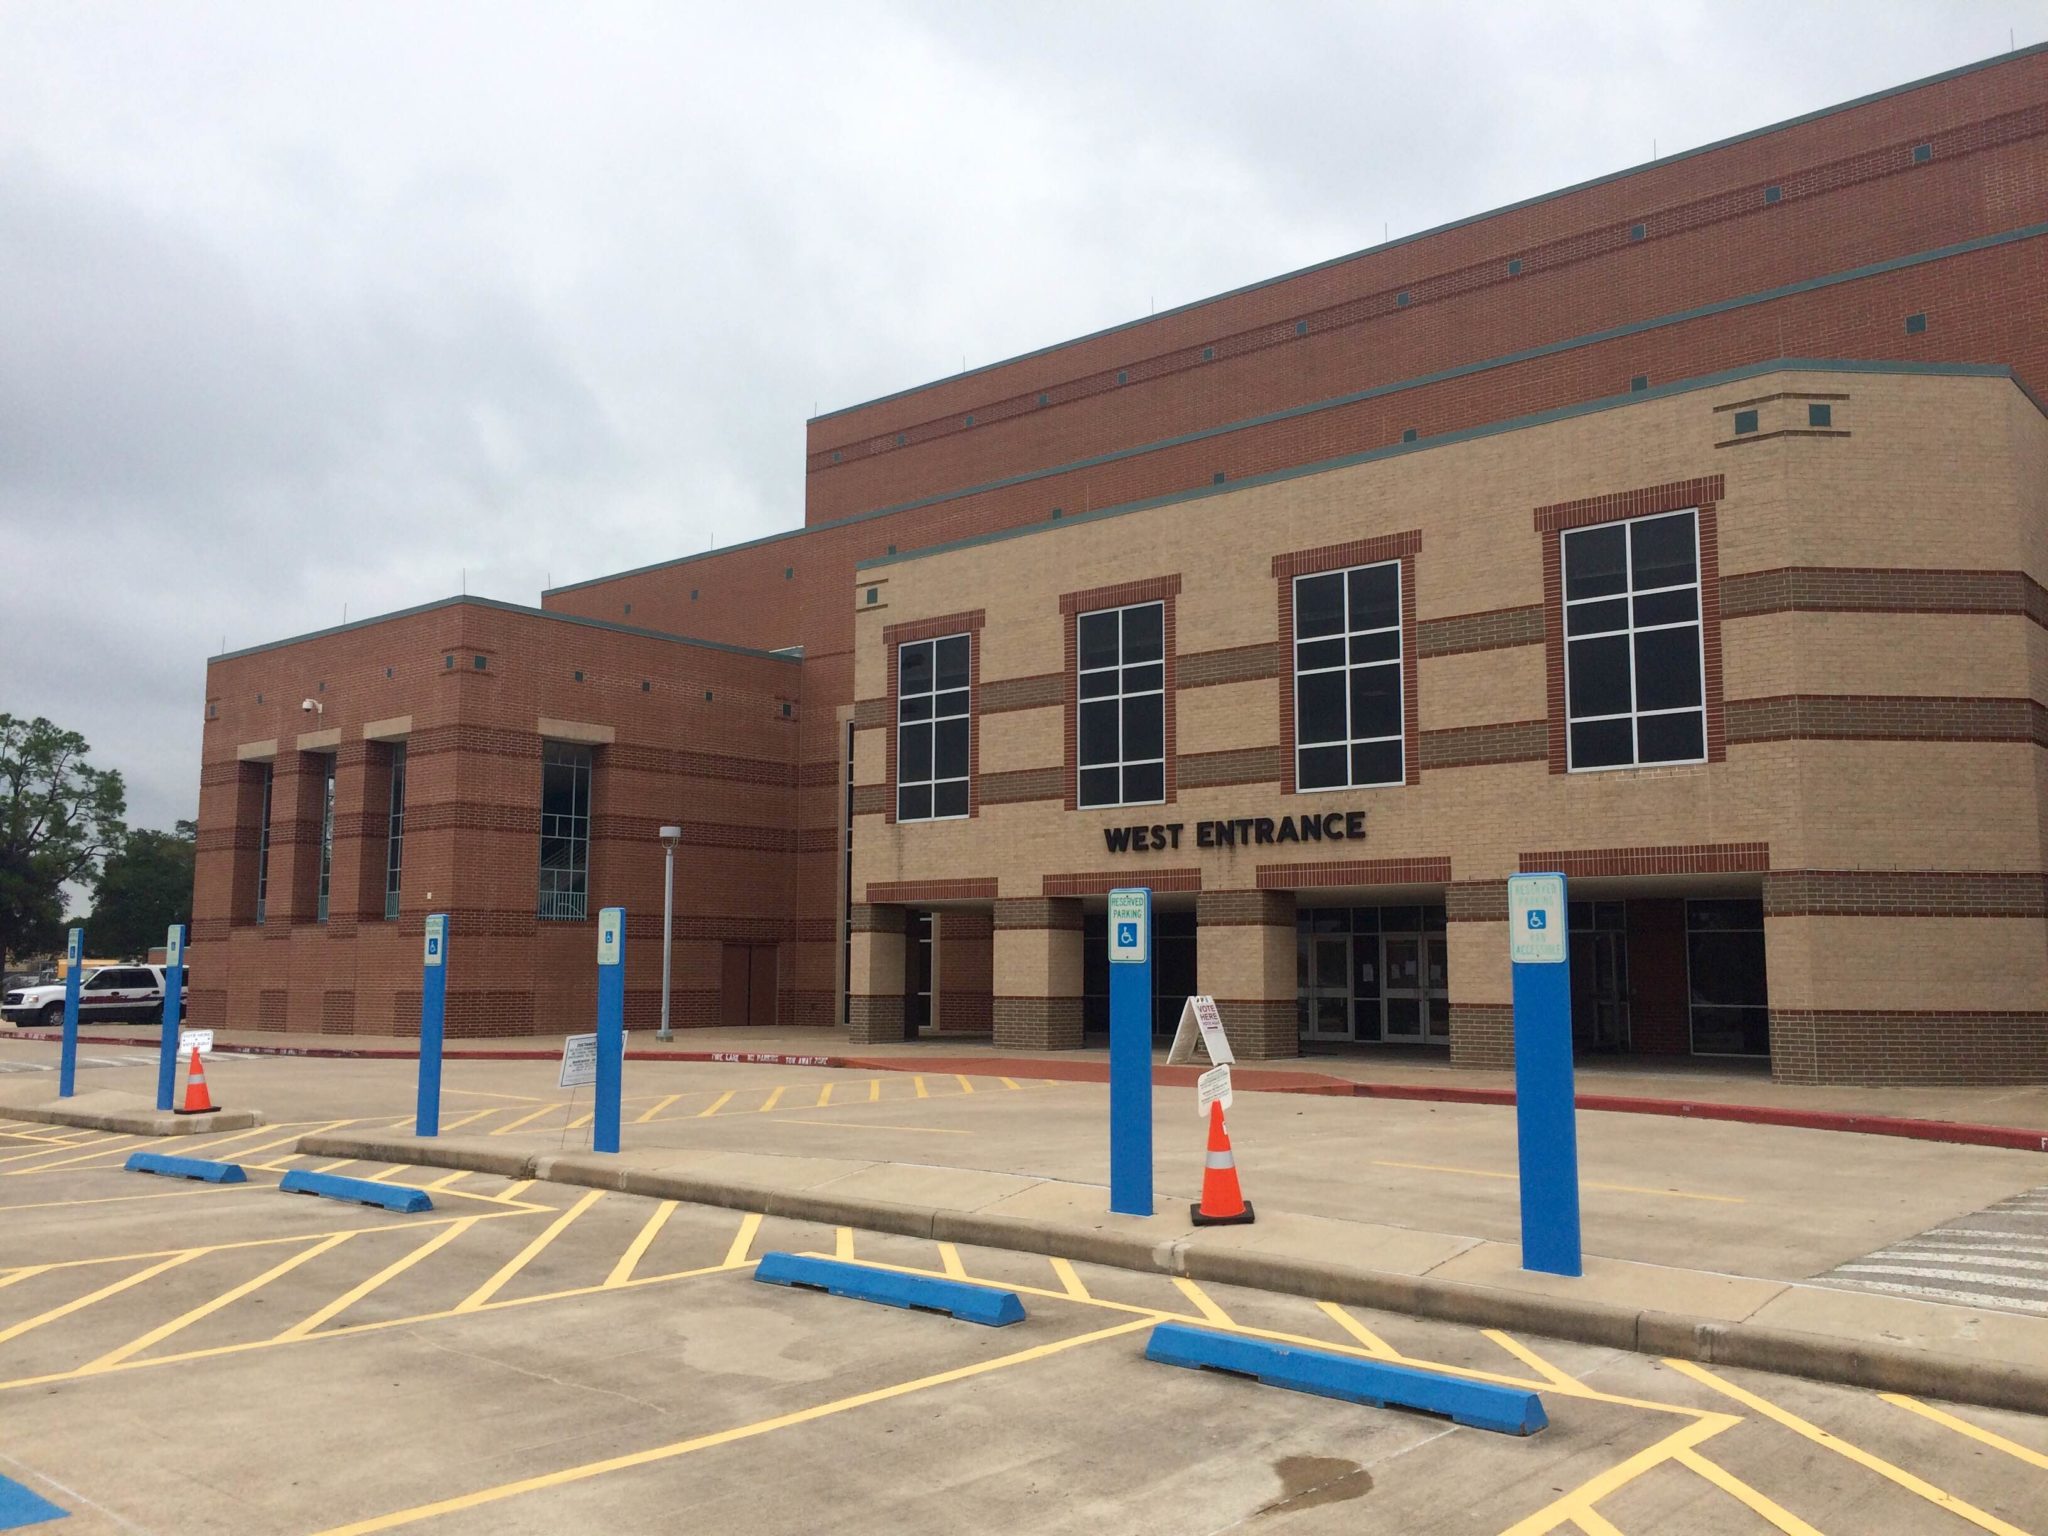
(530, 1357)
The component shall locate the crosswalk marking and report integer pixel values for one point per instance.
(1996, 1258)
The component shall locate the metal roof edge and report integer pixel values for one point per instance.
(1476, 218)
(501, 606)
(1467, 434)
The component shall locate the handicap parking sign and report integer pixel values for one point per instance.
(1130, 914)
(1537, 917)
(1536, 920)
(1127, 935)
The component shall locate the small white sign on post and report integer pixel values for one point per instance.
(579, 1061)
(1537, 930)
(437, 938)
(190, 1040)
(174, 945)
(611, 934)
(1212, 1087)
(1129, 927)
(1200, 1020)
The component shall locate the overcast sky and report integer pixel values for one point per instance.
(305, 306)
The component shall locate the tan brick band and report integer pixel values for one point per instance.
(1037, 1023)
(1038, 912)
(1903, 893)
(1476, 901)
(1879, 717)
(1474, 746)
(1901, 1047)
(1482, 1034)
(1677, 859)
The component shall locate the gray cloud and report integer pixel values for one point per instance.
(303, 307)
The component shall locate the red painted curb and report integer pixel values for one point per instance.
(1955, 1132)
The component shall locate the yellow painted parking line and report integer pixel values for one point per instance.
(1906, 1480)
(478, 1093)
(391, 1271)
(716, 1105)
(345, 1162)
(65, 1162)
(385, 1173)
(961, 1079)
(1070, 1282)
(1529, 1357)
(581, 1120)
(774, 1097)
(824, 1097)
(528, 1254)
(1374, 1344)
(918, 1084)
(1735, 1487)
(162, 1194)
(661, 1453)
(623, 1270)
(874, 1090)
(1009, 1082)
(28, 1325)
(1620, 1189)
(642, 1119)
(1593, 1523)
(842, 1243)
(1582, 1498)
(526, 1119)
(472, 1117)
(743, 1240)
(949, 1260)
(1965, 1427)
(441, 1184)
(14, 1277)
(512, 1192)
(226, 1298)
(1200, 1298)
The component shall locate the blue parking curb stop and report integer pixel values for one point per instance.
(392, 1197)
(186, 1168)
(21, 1506)
(983, 1304)
(1481, 1404)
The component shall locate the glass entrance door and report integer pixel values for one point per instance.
(1416, 989)
(1323, 965)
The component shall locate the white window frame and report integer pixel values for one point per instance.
(1628, 595)
(932, 781)
(1399, 662)
(1083, 699)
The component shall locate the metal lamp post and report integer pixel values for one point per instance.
(670, 836)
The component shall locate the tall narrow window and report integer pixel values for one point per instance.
(263, 844)
(1635, 689)
(931, 729)
(394, 833)
(326, 834)
(1347, 678)
(564, 830)
(1121, 701)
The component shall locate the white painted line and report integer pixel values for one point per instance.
(1925, 1248)
(1941, 1274)
(1979, 1299)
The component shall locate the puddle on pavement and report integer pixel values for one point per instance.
(1307, 1482)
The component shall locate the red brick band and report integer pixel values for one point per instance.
(1101, 882)
(1904, 893)
(1675, 859)
(1422, 871)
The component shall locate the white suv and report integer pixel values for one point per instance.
(111, 992)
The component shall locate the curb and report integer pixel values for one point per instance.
(148, 1123)
(1866, 1363)
(2014, 1138)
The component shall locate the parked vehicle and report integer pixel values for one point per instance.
(134, 992)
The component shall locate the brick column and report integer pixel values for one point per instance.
(1244, 958)
(297, 790)
(962, 966)
(1482, 992)
(362, 791)
(874, 994)
(1038, 974)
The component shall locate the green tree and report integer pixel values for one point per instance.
(58, 817)
(145, 885)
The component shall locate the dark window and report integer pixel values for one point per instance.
(1401, 298)
(1515, 266)
(394, 829)
(478, 662)
(1208, 354)
(1820, 415)
(1301, 327)
(263, 844)
(1347, 678)
(1773, 194)
(326, 837)
(932, 708)
(874, 595)
(1408, 434)
(1915, 324)
(1745, 423)
(1636, 232)
(564, 830)
(1640, 382)
(1922, 153)
(1120, 693)
(1635, 691)
(1730, 1004)
(1123, 377)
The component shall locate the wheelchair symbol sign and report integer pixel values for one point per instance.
(1537, 917)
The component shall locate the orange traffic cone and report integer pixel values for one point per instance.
(1223, 1203)
(197, 1100)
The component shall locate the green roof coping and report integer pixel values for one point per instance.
(1467, 434)
(792, 653)
(1475, 218)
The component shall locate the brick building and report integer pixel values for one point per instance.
(1684, 530)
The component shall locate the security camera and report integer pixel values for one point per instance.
(312, 706)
